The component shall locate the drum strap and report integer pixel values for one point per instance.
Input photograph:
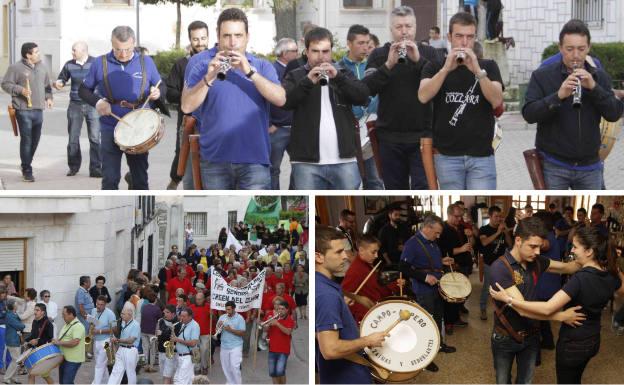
(68, 329)
(357, 359)
(499, 311)
(108, 88)
(432, 269)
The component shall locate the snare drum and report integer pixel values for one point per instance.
(43, 359)
(455, 287)
(411, 345)
(143, 130)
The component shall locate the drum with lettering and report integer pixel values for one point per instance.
(411, 345)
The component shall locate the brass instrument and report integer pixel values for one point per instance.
(274, 317)
(170, 346)
(110, 348)
(89, 339)
(28, 98)
(263, 342)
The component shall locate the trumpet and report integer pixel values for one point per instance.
(274, 317)
(577, 96)
(224, 67)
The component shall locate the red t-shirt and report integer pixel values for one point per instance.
(279, 342)
(271, 281)
(288, 281)
(176, 283)
(201, 314)
(190, 273)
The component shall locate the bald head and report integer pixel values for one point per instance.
(80, 50)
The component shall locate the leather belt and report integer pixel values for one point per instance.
(126, 346)
(126, 104)
(184, 354)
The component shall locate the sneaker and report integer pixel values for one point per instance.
(28, 178)
(483, 315)
(128, 179)
(432, 367)
(173, 185)
(95, 174)
(72, 172)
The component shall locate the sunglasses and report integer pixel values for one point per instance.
(46, 296)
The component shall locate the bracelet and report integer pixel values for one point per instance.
(206, 82)
(509, 301)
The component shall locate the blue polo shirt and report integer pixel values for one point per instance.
(234, 116)
(414, 255)
(125, 82)
(104, 320)
(230, 340)
(187, 332)
(332, 313)
(131, 329)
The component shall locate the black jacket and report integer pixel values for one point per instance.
(304, 97)
(175, 85)
(401, 118)
(569, 135)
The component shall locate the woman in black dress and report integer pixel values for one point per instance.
(591, 288)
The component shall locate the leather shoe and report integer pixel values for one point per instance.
(432, 367)
(444, 348)
(483, 315)
(460, 324)
(72, 172)
(95, 174)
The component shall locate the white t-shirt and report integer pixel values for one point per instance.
(328, 138)
(440, 43)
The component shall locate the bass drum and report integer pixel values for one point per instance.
(411, 345)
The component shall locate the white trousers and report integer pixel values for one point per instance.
(149, 350)
(204, 349)
(230, 362)
(184, 372)
(125, 361)
(101, 361)
(167, 365)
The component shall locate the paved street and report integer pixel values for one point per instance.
(296, 370)
(50, 163)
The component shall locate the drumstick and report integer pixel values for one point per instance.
(367, 277)
(404, 315)
(401, 286)
(120, 119)
(147, 100)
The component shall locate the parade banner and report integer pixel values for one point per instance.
(231, 240)
(246, 298)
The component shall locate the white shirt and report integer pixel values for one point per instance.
(328, 138)
(51, 309)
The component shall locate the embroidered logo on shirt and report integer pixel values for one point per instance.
(137, 75)
(518, 280)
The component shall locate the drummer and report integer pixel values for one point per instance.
(422, 262)
(42, 333)
(72, 344)
(372, 291)
(131, 78)
(339, 343)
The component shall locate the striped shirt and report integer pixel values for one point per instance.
(76, 72)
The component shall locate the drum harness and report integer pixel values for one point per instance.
(123, 103)
(41, 330)
(518, 336)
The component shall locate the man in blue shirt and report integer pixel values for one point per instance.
(186, 338)
(422, 262)
(76, 70)
(127, 349)
(102, 318)
(281, 120)
(233, 113)
(232, 333)
(338, 343)
(358, 40)
(129, 82)
(83, 301)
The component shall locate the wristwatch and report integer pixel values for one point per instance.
(481, 74)
(250, 73)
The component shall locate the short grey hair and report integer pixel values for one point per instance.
(123, 33)
(431, 220)
(402, 11)
(282, 45)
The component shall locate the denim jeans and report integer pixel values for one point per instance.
(234, 176)
(277, 364)
(485, 293)
(76, 113)
(29, 122)
(341, 176)
(401, 166)
(505, 350)
(561, 178)
(67, 372)
(466, 172)
(279, 141)
(111, 165)
(371, 181)
(573, 357)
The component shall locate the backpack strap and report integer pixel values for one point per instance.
(107, 86)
